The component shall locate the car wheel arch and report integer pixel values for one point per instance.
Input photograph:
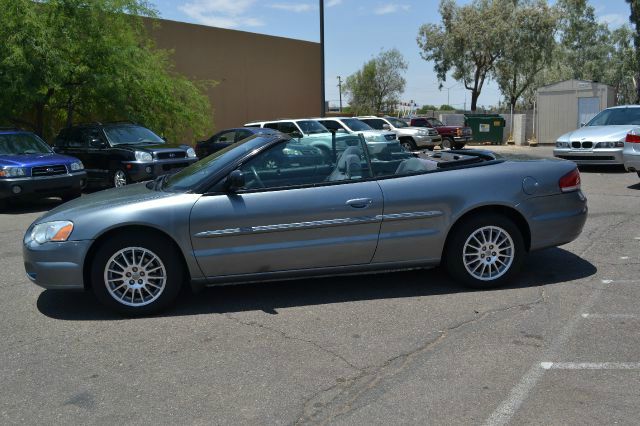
(145, 229)
(510, 212)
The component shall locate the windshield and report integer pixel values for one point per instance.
(616, 116)
(435, 122)
(310, 127)
(200, 171)
(356, 125)
(119, 135)
(397, 123)
(22, 143)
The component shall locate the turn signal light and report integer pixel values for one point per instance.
(570, 181)
(633, 137)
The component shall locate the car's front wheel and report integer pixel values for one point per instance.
(136, 274)
(408, 144)
(484, 251)
(447, 143)
(119, 178)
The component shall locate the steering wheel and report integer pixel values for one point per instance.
(257, 176)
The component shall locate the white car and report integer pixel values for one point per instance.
(609, 138)
(355, 126)
(411, 138)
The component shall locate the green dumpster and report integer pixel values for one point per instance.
(486, 127)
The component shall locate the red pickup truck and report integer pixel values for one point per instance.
(452, 136)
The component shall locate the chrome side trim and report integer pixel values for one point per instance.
(317, 224)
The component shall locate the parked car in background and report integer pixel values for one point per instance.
(226, 138)
(250, 212)
(115, 154)
(453, 137)
(355, 126)
(411, 138)
(604, 140)
(30, 168)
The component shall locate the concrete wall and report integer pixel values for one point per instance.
(259, 77)
(557, 106)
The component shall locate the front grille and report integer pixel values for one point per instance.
(581, 145)
(171, 155)
(587, 158)
(59, 169)
(390, 137)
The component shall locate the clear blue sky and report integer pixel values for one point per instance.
(355, 31)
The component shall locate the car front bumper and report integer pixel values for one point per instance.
(462, 139)
(141, 171)
(56, 265)
(596, 156)
(430, 141)
(43, 186)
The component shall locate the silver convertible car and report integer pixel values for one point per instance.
(265, 209)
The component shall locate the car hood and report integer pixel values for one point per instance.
(599, 133)
(34, 160)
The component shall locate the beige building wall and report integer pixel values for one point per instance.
(259, 77)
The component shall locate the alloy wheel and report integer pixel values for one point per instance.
(135, 276)
(488, 253)
(119, 179)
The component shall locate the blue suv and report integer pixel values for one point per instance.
(30, 168)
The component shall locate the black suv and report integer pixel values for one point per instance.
(119, 153)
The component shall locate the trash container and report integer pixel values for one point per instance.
(486, 127)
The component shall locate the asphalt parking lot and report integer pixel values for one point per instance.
(559, 346)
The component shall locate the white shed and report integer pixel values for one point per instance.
(563, 106)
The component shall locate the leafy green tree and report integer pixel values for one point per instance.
(529, 47)
(377, 86)
(91, 59)
(468, 43)
(446, 107)
(424, 109)
(635, 20)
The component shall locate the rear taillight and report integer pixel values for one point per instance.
(570, 181)
(633, 137)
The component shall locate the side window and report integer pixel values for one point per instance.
(89, 134)
(76, 139)
(273, 126)
(421, 122)
(331, 125)
(292, 164)
(227, 137)
(287, 127)
(61, 140)
(431, 122)
(242, 134)
(377, 124)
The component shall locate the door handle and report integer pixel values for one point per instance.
(360, 203)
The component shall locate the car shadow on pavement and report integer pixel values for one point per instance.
(31, 206)
(551, 266)
(602, 169)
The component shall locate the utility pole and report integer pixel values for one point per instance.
(322, 110)
(340, 91)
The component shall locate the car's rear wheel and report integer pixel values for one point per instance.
(136, 274)
(408, 144)
(119, 178)
(484, 251)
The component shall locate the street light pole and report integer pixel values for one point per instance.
(322, 110)
(340, 91)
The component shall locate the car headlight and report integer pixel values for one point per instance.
(610, 145)
(561, 144)
(375, 138)
(51, 231)
(143, 156)
(77, 166)
(423, 133)
(191, 153)
(12, 172)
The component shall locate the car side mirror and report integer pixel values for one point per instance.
(234, 181)
(583, 124)
(386, 127)
(296, 135)
(97, 143)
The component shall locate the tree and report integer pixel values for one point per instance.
(91, 59)
(529, 46)
(446, 107)
(377, 86)
(635, 20)
(424, 109)
(469, 41)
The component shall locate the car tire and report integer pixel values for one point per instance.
(638, 174)
(458, 146)
(136, 274)
(408, 144)
(447, 143)
(119, 178)
(71, 195)
(485, 251)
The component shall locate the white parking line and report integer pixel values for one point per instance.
(505, 411)
(609, 316)
(590, 365)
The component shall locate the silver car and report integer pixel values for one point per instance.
(604, 139)
(263, 210)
